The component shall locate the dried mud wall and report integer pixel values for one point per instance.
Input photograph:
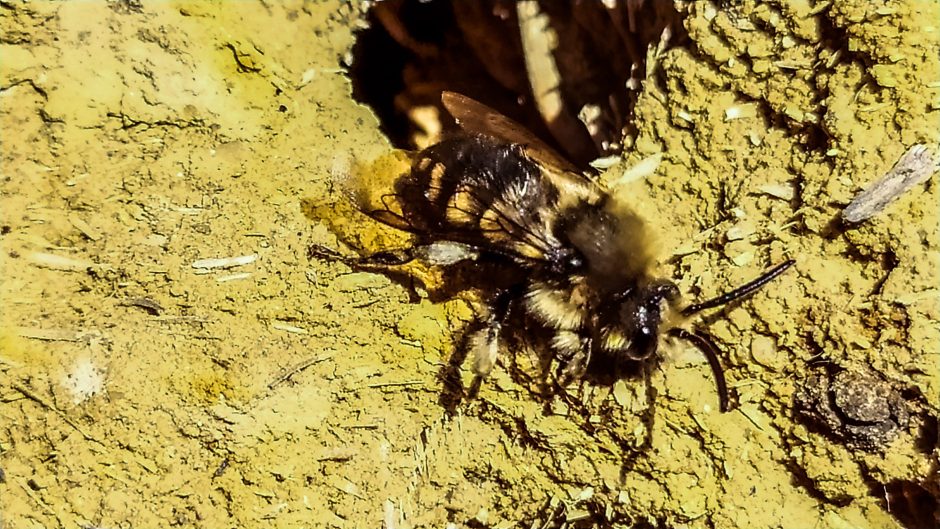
(142, 385)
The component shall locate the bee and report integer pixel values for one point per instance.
(578, 256)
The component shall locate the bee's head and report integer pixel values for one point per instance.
(634, 327)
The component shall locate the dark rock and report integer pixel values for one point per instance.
(857, 408)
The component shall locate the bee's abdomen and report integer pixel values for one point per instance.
(465, 186)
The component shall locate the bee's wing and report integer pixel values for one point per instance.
(370, 183)
(477, 118)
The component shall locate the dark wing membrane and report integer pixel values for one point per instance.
(369, 188)
(390, 214)
(477, 118)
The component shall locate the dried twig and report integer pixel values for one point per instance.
(225, 262)
(914, 167)
(394, 384)
(145, 303)
(48, 510)
(288, 328)
(338, 454)
(86, 229)
(42, 402)
(50, 335)
(291, 371)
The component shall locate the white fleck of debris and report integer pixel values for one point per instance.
(483, 516)
(621, 393)
(589, 115)
(307, 77)
(644, 168)
(58, 262)
(86, 229)
(351, 488)
(710, 12)
(743, 259)
(156, 240)
(764, 351)
(233, 277)
(585, 494)
(388, 515)
(623, 497)
(914, 167)
(746, 110)
(834, 58)
(739, 231)
(83, 381)
(225, 262)
(288, 328)
(793, 65)
(781, 191)
(605, 163)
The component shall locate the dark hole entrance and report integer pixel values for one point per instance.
(912, 505)
(568, 71)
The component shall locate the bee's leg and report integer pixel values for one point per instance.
(484, 343)
(386, 258)
(441, 253)
(575, 353)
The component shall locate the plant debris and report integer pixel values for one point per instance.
(914, 167)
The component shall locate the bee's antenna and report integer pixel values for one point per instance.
(739, 292)
(707, 346)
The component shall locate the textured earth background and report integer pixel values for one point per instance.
(139, 390)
